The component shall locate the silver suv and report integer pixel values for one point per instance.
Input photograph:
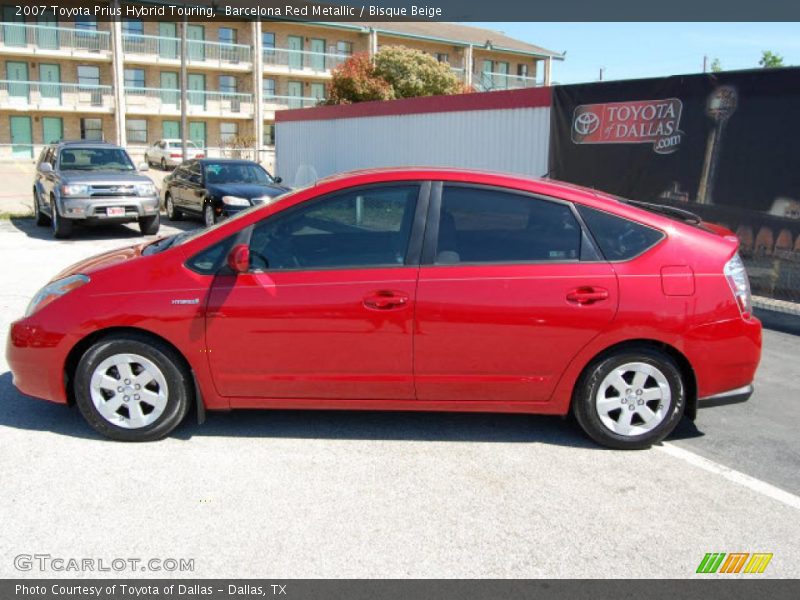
(92, 182)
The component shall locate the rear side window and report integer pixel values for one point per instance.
(618, 238)
(483, 225)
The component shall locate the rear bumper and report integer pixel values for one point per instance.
(735, 396)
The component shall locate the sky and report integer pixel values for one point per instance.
(633, 50)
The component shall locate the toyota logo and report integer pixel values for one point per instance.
(586, 123)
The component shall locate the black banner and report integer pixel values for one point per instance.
(723, 145)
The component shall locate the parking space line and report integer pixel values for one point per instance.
(761, 487)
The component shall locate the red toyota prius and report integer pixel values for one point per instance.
(405, 289)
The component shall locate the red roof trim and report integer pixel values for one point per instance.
(524, 98)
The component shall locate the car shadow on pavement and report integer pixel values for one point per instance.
(21, 412)
(89, 233)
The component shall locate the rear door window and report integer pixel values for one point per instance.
(619, 238)
(486, 225)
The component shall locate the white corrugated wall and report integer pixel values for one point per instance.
(513, 140)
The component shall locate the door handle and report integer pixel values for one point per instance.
(587, 295)
(385, 300)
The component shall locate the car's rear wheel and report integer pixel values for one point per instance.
(42, 220)
(173, 214)
(209, 218)
(132, 388)
(631, 398)
(62, 227)
(150, 225)
(163, 164)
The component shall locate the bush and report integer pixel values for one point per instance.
(355, 80)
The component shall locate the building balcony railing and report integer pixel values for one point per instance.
(299, 60)
(487, 82)
(273, 102)
(198, 102)
(40, 95)
(42, 39)
(197, 51)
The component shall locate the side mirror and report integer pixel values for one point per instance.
(46, 168)
(144, 167)
(277, 179)
(239, 258)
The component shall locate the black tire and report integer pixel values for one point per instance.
(209, 216)
(163, 164)
(173, 214)
(42, 220)
(62, 227)
(586, 398)
(178, 383)
(150, 225)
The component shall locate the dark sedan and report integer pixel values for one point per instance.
(215, 188)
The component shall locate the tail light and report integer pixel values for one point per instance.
(737, 278)
(199, 155)
(175, 155)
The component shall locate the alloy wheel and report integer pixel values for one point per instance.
(129, 391)
(633, 399)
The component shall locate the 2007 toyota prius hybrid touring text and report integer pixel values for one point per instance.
(405, 289)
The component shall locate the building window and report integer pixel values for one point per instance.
(318, 91)
(228, 132)
(134, 79)
(443, 57)
(91, 129)
(227, 84)
(84, 23)
(88, 75)
(136, 131)
(269, 134)
(344, 48)
(133, 27)
(227, 35)
(269, 87)
(268, 42)
(522, 70)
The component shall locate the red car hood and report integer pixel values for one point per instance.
(101, 261)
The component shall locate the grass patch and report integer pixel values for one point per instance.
(7, 216)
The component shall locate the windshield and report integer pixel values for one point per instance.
(237, 173)
(95, 159)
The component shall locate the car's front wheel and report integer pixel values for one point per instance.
(631, 398)
(150, 225)
(62, 227)
(132, 388)
(209, 218)
(173, 214)
(42, 220)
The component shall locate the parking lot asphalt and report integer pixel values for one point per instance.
(349, 494)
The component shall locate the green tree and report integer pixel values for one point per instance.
(396, 72)
(770, 60)
(716, 66)
(412, 73)
(355, 80)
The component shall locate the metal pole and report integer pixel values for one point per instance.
(184, 124)
(705, 64)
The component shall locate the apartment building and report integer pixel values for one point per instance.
(120, 81)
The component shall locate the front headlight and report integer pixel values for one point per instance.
(235, 201)
(74, 189)
(145, 189)
(55, 290)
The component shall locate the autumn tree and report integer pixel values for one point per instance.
(355, 80)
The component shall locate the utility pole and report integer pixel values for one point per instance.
(601, 73)
(184, 125)
(705, 64)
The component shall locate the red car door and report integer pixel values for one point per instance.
(326, 310)
(505, 301)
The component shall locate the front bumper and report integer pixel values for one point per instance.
(735, 396)
(96, 208)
